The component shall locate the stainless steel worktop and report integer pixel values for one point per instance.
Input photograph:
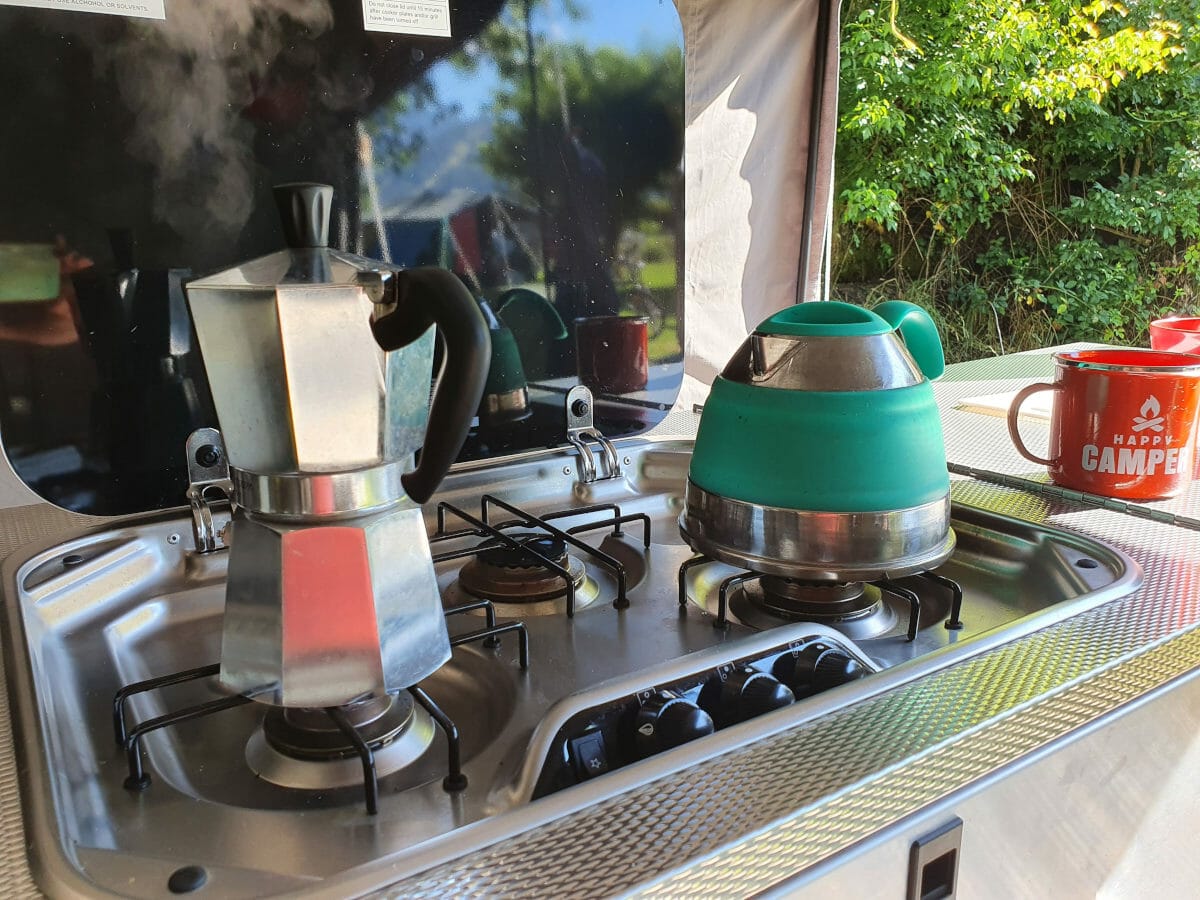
(747, 819)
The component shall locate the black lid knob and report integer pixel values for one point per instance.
(304, 209)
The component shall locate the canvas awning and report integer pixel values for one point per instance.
(750, 71)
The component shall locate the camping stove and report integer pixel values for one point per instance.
(588, 645)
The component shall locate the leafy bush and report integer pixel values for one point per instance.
(1032, 164)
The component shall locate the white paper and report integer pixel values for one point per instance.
(138, 9)
(430, 18)
(1038, 406)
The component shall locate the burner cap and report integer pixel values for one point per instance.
(815, 598)
(303, 748)
(310, 734)
(503, 556)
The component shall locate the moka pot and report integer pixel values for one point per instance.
(820, 453)
(320, 364)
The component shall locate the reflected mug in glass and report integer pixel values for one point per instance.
(1123, 424)
(1180, 334)
(613, 353)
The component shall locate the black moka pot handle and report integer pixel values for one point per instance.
(431, 296)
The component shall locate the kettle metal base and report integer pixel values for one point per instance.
(817, 546)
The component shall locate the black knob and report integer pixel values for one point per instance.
(743, 693)
(764, 693)
(817, 668)
(304, 210)
(666, 720)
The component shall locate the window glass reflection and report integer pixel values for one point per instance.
(537, 154)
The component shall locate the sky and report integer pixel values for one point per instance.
(628, 24)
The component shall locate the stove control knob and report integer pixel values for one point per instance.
(819, 667)
(762, 693)
(743, 693)
(666, 720)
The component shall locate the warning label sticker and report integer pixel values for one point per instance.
(141, 9)
(430, 18)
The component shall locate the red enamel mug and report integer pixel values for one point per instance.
(1123, 424)
(613, 353)
(1180, 334)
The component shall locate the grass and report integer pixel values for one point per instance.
(659, 275)
(664, 346)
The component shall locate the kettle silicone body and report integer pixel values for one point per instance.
(823, 429)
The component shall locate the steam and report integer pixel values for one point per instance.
(186, 81)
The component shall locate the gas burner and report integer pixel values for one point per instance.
(517, 572)
(794, 598)
(530, 573)
(861, 611)
(317, 749)
(308, 749)
(500, 555)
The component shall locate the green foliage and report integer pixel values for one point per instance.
(1031, 157)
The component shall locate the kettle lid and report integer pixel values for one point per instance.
(830, 318)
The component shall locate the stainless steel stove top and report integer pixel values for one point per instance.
(130, 601)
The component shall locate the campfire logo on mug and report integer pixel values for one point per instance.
(1150, 408)
(1138, 453)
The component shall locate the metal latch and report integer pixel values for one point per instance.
(208, 484)
(579, 428)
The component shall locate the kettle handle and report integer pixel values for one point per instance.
(919, 333)
(431, 296)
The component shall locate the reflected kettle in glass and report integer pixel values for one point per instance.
(320, 364)
(506, 397)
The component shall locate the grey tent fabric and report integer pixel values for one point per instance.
(749, 67)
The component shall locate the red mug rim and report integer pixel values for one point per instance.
(1131, 359)
(1190, 324)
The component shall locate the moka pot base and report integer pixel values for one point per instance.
(816, 545)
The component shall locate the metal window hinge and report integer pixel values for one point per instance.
(580, 428)
(208, 486)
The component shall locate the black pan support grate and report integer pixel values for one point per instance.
(495, 534)
(130, 739)
(911, 597)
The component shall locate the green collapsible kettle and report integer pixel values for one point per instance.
(820, 453)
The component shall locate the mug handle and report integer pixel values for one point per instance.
(1014, 410)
